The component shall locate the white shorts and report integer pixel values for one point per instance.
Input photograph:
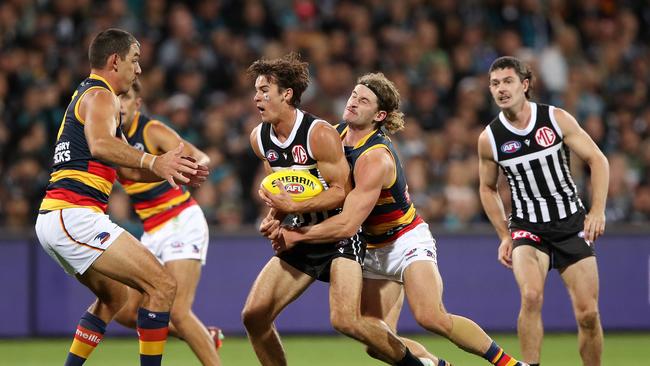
(76, 237)
(183, 237)
(390, 262)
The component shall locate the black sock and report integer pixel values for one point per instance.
(409, 360)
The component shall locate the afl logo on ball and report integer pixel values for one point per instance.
(272, 155)
(511, 147)
(299, 154)
(545, 137)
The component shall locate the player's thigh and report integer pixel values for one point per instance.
(423, 287)
(129, 262)
(187, 273)
(382, 299)
(345, 286)
(581, 280)
(530, 267)
(277, 285)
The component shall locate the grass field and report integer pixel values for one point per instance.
(559, 350)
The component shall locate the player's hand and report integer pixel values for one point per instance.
(201, 175)
(594, 226)
(281, 201)
(270, 227)
(171, 166)
(285, 241)
(505, 253)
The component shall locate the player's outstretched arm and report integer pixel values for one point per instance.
(492, 203)
(372, 172)
(99, 108)
(163, 139)
(579, 142)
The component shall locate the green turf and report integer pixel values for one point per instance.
(559, 350)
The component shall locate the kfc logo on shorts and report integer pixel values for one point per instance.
(523, 234)
(545, 137)
(272, 155)
(299, 154)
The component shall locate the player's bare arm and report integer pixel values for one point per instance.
(372, 172)
(270, 225)
(492, 203)
(163, 139)
(580, 143)
(328, 152)
(99, 109)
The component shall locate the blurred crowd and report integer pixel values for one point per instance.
(590, 57)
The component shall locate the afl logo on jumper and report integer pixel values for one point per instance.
(272, 155)
(545, 137)
(511, 147)
(299, 154)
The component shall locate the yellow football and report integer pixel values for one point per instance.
(300, 184)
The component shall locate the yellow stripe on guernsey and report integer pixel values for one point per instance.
(86, 178)
(76, 106)
(81, 349)
(408, 217)
(148, 212)
(51, 204)
(152, 348)
(134, 188)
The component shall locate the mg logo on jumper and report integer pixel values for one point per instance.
(545, 137)
(511, 147)
(299, 154)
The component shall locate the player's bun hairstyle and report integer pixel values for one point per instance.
(388, 99)
(108, 42)
(287, 72)
(523, 70)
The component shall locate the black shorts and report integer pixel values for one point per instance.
(562, 240)
(316, 259)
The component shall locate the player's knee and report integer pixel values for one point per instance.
(438, 321)
(588, 320)
(255, 317)
(344, 324)
(180, 314)
(163, 288)
(532, 298)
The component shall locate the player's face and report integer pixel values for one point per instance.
(129, 104)
(361, 108)
(506, 88)
(269, 99)
(129, 68)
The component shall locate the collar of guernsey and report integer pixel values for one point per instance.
(77, 178)
(394, 214)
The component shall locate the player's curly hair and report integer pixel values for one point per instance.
(521, 69)
(287, 72)
(388, 99)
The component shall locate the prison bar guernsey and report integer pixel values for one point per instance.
(394, 214)
(536, 162)
(77, 178)
(158, 202)
(294, 153)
